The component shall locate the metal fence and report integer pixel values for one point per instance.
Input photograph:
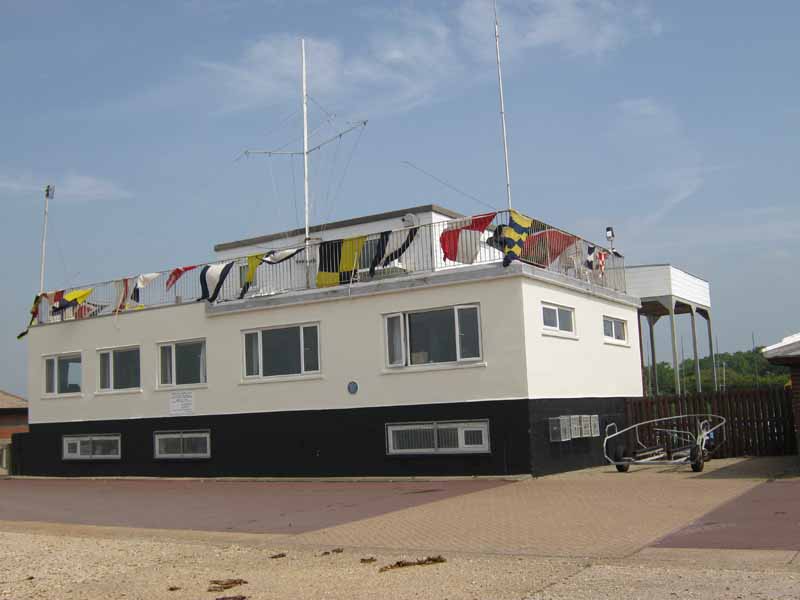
(364, 259)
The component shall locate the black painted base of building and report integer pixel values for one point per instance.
(329, 443)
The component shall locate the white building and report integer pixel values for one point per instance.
(426, 367)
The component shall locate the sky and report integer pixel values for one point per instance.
(675, 122)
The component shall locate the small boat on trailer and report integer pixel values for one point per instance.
(678, 440)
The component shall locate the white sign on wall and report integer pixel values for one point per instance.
(181, 403)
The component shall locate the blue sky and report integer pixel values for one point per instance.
(675, 122)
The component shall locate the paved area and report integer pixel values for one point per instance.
(246, 507)
(765, 518)
(594, 534)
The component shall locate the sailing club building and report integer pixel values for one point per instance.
(413, 342)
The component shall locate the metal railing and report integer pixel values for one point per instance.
(352, 263)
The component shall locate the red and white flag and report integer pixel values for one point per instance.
(460, 242)
(177, 274)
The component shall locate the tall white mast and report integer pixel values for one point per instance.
(502, 103)
(305, 152)
(49, 192)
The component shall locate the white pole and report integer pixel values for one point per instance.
(502, 103)
(49, 192)
(305, 155)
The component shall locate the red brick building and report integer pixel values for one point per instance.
(13, 419)
(787, 352)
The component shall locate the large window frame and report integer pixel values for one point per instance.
(559, 310)
(404, 358)
(616, 326)
(181, 435)
(466, 431)
(51, 366)
(304, 372)
(109, 355)
(72, 446)
(173, 368)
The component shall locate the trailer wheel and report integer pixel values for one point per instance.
(619, 455)
(698, 459)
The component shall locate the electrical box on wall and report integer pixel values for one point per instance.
(560, 430)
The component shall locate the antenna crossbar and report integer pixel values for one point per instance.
(310, 150)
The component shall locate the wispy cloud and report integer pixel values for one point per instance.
(409, 57)
(72, 187)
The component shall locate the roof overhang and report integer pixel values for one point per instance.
(785, 352)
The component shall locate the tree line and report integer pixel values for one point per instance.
(742, 370)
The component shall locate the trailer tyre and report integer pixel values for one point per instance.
(619, 455)
(698, 459)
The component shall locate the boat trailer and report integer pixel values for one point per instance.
(683, 439)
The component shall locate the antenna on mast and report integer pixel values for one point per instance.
(49, 192)
(306, 151)
(502, 103)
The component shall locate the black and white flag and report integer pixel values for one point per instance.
(211, 279)
(273, 257)
(393, 244)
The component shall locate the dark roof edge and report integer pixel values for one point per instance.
(393, 214)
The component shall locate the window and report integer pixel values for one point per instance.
(615, 329)
(281, 351)
(182, 363)
(433, 336)
(182, 444)
(119, 369)
(437, 438)
(92, 447)
(62, 374)
(558, 318)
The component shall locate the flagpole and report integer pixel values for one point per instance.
(49, 192)
(305, 156)
(502, 103)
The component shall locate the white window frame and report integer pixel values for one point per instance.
(479, 424)
(303, 372)
(174, 385)
(180, 435)
(550, 330)
(406, 337)
(613, 339)
(54, 357)
(112, 389)
(66, 439)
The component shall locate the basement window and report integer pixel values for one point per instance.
(92, 447)
(443, 437)
(182, 444)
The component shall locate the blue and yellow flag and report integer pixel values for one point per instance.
(514, 236)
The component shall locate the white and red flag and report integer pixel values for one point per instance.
(177, 274)
(460, 241)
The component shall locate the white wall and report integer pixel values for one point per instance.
(649, 281)
(586, 364)
(691, 288)
(352, 346)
